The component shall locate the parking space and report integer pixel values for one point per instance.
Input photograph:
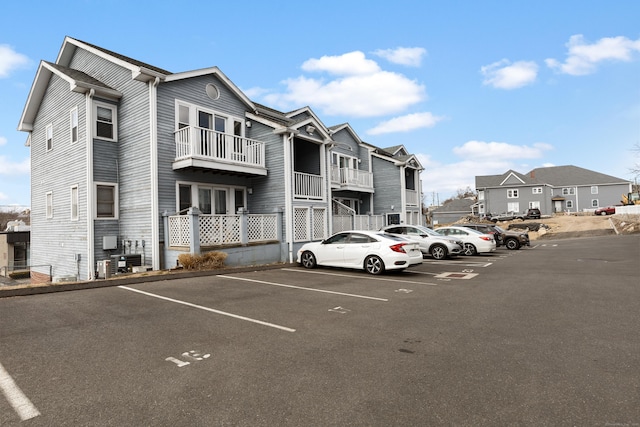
(296, 346)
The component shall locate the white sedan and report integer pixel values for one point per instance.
(473, 241)
(372, 251)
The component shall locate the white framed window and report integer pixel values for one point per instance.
(49, 204)
(73, 122)
(536, 190)
(594, 189)
(595, 203)
(187, 114)
(106, 200)
(74, 203)
(534, 205)
(569, 204)
(211, 199)
(513, 207)
(512, 194)
(49, 136)
(568, 191)
(106, 121)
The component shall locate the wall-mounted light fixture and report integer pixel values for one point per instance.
(392, 207)
(250, 190)
(247, 124)
(310, 129)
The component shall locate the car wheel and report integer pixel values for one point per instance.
(438, 252)
(512, 244)
(373, 264)
(603, 213)
(308, 259)
(469, 249)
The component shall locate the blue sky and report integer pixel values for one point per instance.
(472, 88)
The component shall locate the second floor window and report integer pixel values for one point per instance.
(74, 203)
(73, 119)
(594, 189)
(106, 122)
(49, 137)
(536, 190)
(568, 191)
(106, 198)
(512, 194)
(49, 205)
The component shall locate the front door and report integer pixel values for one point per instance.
(557, 206)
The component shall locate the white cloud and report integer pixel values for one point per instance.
(583, 58)
(479, 150)
(3, 140)
(9, 168)
(10, 60)
(352, 63)
(360, 88)
(410, 56)
(477, 159)
(405, 123)
(505, 75)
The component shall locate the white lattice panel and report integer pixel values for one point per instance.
(300, 224)
(341, 223)
(319, 223)
(219, 229)
(262, 227)
(179, 230)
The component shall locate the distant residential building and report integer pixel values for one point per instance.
(453, 211)
(550, 189)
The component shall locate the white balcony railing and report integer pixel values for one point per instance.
(207, 144)
(308, 186)
(411, 197)
(348, 177)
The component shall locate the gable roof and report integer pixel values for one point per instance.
(78, 82)
(456, 205)
(555, 176)
(560, 176)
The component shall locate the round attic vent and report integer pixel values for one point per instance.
(212, 91)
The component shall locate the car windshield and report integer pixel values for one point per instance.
(425, 230)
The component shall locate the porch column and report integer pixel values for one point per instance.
(194, 230)
(244, 237)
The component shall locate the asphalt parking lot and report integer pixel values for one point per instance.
(546, 335)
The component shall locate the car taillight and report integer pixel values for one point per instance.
(398, 248)
(487, 238)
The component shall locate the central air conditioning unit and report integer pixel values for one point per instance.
(104, 269)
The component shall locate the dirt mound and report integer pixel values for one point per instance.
(562, 226)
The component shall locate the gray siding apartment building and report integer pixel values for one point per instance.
(551, 189)
(130, 161)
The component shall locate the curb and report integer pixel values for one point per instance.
(15, 291)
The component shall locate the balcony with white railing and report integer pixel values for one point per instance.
(308, 186)
(205, 148)
(352, 179)
(412, 198)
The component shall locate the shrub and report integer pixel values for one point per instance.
(206, 261)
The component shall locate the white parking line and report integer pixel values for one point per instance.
(382, 279)
(462, 264)
(224, 313)
(303, 288)
(20, 403)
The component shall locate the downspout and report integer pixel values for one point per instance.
(403, 195)
(90, 189)
(155, 209)
(288, 193)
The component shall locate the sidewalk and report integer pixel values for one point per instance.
(9, 288)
